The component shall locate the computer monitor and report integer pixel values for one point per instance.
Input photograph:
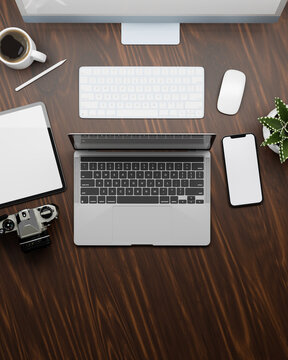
(151, 21)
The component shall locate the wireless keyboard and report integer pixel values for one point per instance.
(141, 92)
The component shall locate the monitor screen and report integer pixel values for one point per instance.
(183, 10)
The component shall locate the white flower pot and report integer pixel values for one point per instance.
(267, 133)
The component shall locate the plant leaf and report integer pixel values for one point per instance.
(283, 150)
(271, 122)
(282, 110)
(275, 138)
(284, 134)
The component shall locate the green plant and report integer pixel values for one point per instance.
(278, 126)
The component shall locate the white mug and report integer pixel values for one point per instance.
(30, 55)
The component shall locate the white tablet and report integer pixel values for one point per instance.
(30, 167)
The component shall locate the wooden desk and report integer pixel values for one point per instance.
(226, 301)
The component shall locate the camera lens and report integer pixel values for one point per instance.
(46, 212)
(8, 225)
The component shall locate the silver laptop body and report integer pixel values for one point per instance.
(168, 216)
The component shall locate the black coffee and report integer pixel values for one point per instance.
(13, 46)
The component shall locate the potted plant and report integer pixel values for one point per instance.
(275, 129)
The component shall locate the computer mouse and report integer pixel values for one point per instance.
(231, 92)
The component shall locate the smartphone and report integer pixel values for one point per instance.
(242, 169)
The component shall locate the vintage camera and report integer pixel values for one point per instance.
(31, 226)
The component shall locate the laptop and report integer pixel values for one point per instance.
(142, 189)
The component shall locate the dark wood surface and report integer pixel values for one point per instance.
(225, 301)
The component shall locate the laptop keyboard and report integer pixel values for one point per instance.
(142, 180)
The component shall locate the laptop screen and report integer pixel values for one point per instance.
(186, 141)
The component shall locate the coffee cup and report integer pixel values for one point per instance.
(17, 49)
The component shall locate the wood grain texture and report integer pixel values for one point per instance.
(226, 301)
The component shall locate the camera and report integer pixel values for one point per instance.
(31, 226)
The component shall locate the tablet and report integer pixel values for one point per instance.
(30, 166)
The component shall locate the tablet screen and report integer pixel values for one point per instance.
(29, 164)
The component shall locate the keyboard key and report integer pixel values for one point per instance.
(146, 191)
(87, 183)
(97, 174)
(103, 191)
(135, 166)
(199, 201)
(118, 166)
(157, 174)
(86, 174)
(150, 183)
(129, 191)
(148, 174)
(161, 166)
(196, 183)
(178, 166)
(176, 183)
(194, 191)
(191, 174)
(174, 199)
(182, 174)
(110, 166)
(140, 174)
(172, 191)
(93, 166)
(163, 191)
(89, 191)
(101, 199)
(144, 166)
(84, 166)
(114, 174)
(180, 191)
(107, 183)
(198, 166)
(187, 166)
(137, 199)
(159, 183)
(142, 183)
(137, 191)
(169, 166)
(127, 166)
(165, 174)
(154, 191)
(112, 191)
(120, 191)
(123, 174)
(92, 199)
(125, 183)
(191, 199)
(101, 166)
(111, 199)
(199, 174)
(84, 199)
(174, 174)
(184, 183)
(181, 201)
(152, 166)
(167, 183)
(164, 199)
(131, 174)
(99, 183)
(133, 183)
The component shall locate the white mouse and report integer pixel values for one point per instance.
(231, 92)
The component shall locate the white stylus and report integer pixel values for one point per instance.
(40, 75)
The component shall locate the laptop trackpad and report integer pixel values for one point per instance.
(142, 224)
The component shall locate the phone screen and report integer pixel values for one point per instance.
(242, 169)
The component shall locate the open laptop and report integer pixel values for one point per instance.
(142, 189)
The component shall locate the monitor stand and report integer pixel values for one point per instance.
(150, 33)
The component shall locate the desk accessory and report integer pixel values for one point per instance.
(40, 75)
(275, 130)
(242, 169)
(31, 226)
(17, 49)
(231, 92)
(30, 167)
(169, 92)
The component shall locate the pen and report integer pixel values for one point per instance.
(40, 75)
